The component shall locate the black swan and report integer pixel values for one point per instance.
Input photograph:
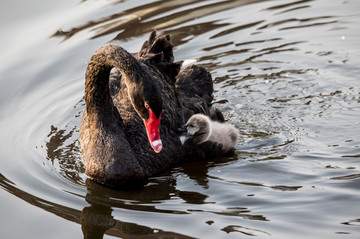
(134, 113)
(201, 128)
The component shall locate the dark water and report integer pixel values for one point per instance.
(286, 74)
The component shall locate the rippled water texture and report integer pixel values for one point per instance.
(286, 74)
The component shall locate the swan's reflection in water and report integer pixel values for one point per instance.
(64, 151)
(96, 219)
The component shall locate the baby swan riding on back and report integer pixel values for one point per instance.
(200, 129)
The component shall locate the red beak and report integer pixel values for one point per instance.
(152, 130)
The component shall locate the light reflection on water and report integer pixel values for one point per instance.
(285, 74)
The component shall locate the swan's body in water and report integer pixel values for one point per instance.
(129, 130)
(201, 129)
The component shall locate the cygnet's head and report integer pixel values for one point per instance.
(199, 125)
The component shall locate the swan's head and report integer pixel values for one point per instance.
(148, 104)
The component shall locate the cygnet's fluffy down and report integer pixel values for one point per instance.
(200, 129)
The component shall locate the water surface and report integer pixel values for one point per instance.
(286, 74)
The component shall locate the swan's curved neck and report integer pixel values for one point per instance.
(97, 93)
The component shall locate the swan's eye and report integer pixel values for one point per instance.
(147, 106)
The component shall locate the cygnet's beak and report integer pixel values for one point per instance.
(152, 130)
(182, 129)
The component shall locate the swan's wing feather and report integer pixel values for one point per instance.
(195, 88)
(195, 80)
(158, 50)
(114, 82)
